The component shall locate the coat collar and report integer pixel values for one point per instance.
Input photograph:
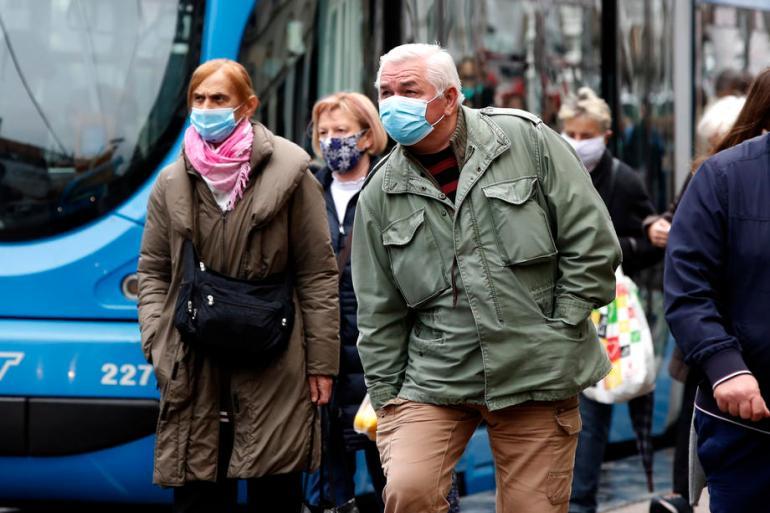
(270, 186)
(601, 177)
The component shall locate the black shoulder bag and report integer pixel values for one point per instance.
(246, 323)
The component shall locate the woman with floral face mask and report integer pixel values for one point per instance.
(586, 121)
(348, 136)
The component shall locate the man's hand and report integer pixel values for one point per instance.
(321, 389)
(658, 233)
(740, 397)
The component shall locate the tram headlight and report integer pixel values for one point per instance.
(130, 287)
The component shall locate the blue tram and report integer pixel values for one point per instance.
(93, 106)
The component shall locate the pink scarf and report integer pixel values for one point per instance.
(226, 167)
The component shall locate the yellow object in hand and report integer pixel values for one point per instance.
(365, 422)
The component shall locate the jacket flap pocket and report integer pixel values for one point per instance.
(401, 232)
(515, 192)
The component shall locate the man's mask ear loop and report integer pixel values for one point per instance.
(442, 116)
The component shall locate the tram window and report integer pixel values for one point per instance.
(732, 46)
(277, 46)
(297, 51)
(525, 54)
(93, 97)
(645, 78)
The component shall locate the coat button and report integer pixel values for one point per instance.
(443, 196)
(443, 213)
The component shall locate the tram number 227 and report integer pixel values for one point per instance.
(126, 375)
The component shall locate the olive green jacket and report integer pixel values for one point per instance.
(487, 299)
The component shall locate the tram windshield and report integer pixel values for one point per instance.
(93, 95)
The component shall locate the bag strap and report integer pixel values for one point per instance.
(324, 503)
(195, 213)
(613, 176)
(344, 254)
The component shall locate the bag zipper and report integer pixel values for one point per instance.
(210, 300)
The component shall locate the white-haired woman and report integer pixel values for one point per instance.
(586, 122)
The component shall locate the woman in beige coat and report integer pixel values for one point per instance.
(259, 212)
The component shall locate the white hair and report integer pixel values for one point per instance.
(718, 120)
(441, 69)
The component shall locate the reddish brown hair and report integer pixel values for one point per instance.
(233, 70)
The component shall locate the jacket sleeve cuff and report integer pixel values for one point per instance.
(571, 310)
(649, 221)
(724, 365)
(381, 394)
(323, 358)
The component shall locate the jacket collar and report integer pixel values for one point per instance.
(268, 190)
(482, 142)
(601, 176)
(324, 177)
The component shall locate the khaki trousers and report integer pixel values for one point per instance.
(533, 445)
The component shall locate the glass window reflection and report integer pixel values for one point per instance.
(93, 95)
(524, 54)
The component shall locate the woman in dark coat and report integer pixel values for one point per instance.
(348, 136)
(586, 126)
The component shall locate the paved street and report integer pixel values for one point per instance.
(623, 490)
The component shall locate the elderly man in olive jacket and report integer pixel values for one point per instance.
(480, 248)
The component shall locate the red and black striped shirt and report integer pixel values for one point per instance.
(443, 166)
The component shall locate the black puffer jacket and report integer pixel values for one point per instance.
(628, 203)
(350, 388)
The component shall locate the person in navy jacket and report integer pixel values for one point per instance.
(717, 296)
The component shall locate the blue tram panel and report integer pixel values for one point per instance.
(71, 359)
(77, 398)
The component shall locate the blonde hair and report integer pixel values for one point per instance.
(361, 109)
(586, 103)
(234, 71)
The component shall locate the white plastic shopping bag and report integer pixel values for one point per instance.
(623, 331)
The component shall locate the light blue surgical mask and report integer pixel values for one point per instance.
(214, 125)
(404, 119)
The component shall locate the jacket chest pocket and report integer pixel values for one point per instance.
(521, 225)
(415, 259)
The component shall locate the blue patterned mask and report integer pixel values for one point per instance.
(341, 154)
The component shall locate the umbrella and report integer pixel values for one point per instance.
(640, 410)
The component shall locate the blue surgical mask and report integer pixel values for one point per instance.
(214, 125)
(341, 154)
(404, 119)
